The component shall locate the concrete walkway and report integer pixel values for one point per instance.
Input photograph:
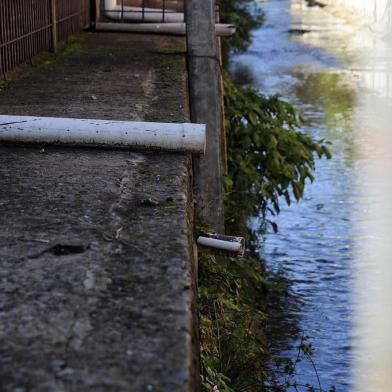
(96, 260)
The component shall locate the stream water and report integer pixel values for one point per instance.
(313, 59)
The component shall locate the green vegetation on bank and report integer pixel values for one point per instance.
(269, 160)
(232, 319)
(245, 16)
(268, 157)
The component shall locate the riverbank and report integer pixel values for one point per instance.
(314, 59)
(96, 246)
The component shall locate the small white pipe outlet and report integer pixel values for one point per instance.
(235, 244)
(125, 134)
(116, 11)
(222, 30)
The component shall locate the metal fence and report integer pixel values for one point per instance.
(28, 27)
(142, 11)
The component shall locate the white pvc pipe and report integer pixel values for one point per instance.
(228, 246)
(115, 11)
(159, 28)
(125, 134)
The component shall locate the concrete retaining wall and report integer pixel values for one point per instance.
(97, 271)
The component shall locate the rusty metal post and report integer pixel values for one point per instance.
(95, 11)
(53, 12)
(206, 107)
(98, 6)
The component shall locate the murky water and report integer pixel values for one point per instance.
(314, 59)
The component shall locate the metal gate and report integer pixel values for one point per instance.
(142, 11)
(28, 27)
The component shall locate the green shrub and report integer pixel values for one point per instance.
(268, 156)
(268, 159)
(245, 16)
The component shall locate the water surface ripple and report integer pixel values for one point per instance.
(317, 68)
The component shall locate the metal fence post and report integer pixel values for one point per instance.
(95, 11)
(54, 25)
(206, 107)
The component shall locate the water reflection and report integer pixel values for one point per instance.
(373, 332)
(314, 58)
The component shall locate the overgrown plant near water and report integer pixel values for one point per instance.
(268, 157)
(246, 16)
(269, 161)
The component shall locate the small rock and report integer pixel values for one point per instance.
(180, 377)
(94, 98)
(57, 365)
(65, 372)
(42, 150)
(118, 251)
(10, 289)
(150, 202)
(88, 381)
(89, 281)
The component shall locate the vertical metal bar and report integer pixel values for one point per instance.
(7, 37)
(29, 26)
(163, 10)
(143, 9)
(2, 41)
(59, 14)
(40, 22)
(97, 11)
(16, 28)
(20, 32)
(9, 34)
(23, 43)
(14, 34)
(48, 23)
(26, 29)
(33, 23)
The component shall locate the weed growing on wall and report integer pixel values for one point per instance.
(232, 319)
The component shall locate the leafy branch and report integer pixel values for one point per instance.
(268, 156)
